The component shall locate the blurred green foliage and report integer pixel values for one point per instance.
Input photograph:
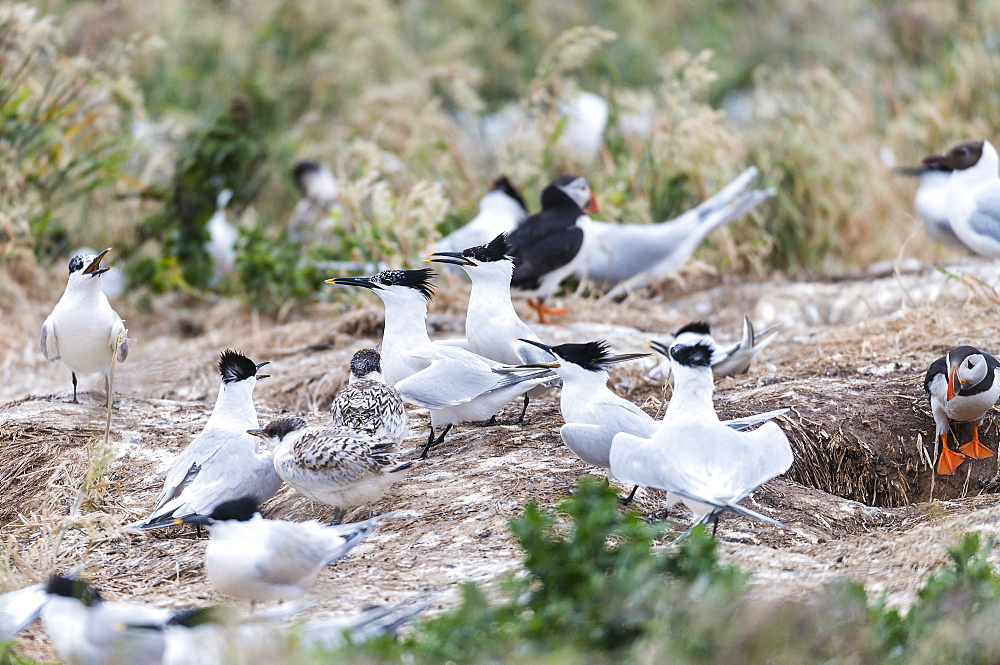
(596, 591)
(391, 96)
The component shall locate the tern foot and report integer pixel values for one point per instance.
(949, 461)
(625, 500)
(492, 422)
(338, 516)
(542, 310)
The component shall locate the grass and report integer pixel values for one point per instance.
(379, 91)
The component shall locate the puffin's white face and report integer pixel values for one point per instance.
(579, 191)
(971, 371)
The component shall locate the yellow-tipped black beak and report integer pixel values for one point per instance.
(365, 282)
(659, 347)
(551, 365)
(95, 269)
(454, 258)
(257, 432)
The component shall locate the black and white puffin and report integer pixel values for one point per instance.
(549, 245)
(963, 385)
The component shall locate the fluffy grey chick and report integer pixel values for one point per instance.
(335, 465)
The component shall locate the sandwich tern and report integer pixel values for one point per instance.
(83, 331)
(629, 256)
(223, 462)
(963, 386)
(454, 384)
(257, 559)
(221, 244)
(86, 630)
(593, 414)
(692, 455)
(492, 327)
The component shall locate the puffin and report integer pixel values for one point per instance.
(963, 385)
(551, 244)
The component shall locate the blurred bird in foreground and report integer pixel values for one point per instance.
(257, 559)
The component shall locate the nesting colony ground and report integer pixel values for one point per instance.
(861, 499)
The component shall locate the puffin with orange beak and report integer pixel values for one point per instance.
(963, 386)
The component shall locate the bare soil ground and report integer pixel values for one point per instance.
(860, 500)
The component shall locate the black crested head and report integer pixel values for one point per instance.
(302, 169)
(502, 184)
(70, 587)
(495, 250)
(589, 355)
(234, 366)
(696, 327)
(698, 354)
(282, 426)
(419, 280)
(365, 362)
(77, 264)
(240, 510)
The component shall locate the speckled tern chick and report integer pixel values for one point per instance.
(335, 465)
(368, 403)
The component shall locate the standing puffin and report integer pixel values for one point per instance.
(963, 386)
(549, 245)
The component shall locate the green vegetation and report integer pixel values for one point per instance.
(594, 590)
(127, 142)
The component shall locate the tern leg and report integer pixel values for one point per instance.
(431, 441)
(74, 388)
(949, 461)
(715, 524)
(338, 516)
(542, 310)
(524, 409)
(628, 499)
(974, 448)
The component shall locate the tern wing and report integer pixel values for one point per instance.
(19, 608)
(591, 443)
(329, 632)
(217, 466)
(749, 421)
(985, 217)
(50, 347)
(450, 380)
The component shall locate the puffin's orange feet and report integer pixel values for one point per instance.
(949, 461)
(542, 310)
(973, 448)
